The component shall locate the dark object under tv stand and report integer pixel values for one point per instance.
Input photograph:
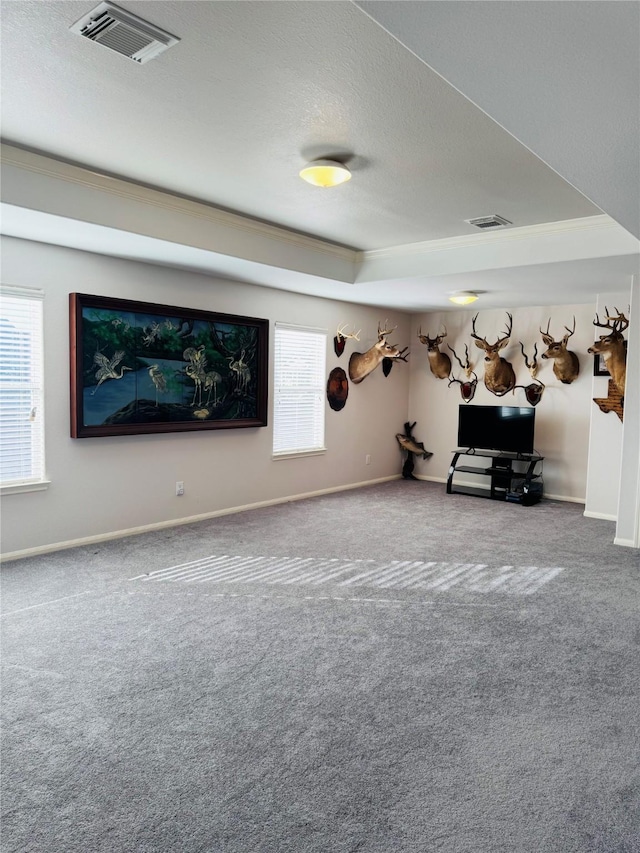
(517, 485)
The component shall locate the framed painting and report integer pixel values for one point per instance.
(137, 367)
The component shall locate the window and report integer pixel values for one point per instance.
(21, 397)
(299, 390)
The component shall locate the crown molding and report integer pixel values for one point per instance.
(167, 202)
(474, 241)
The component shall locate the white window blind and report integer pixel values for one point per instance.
(21, 392)
(299, 389)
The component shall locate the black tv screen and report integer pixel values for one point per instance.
(508, 428)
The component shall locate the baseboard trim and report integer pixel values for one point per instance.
(603, 516)
(627, 543)
(565, 498)
(179, 522)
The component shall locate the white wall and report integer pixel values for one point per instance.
(606, 434)
(562, 416)
(104, 485)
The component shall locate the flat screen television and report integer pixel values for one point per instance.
(508, 428)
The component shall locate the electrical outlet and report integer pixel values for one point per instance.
(179, 488)
(367, 459)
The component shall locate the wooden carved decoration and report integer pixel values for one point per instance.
(613, 402)
(533, 392)
(439, 362)
(361, 364)
(566, 366)
(337, 389)
(499, 376)
(469, 385)
(612, 347)
(340, 339)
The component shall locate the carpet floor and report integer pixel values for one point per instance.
(387, 670)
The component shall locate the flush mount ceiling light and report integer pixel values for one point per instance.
(463, 297)
(325, 173)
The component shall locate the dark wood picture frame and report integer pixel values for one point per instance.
(138, 368)
(599, 364)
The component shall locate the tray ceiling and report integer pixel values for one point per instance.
(228, 116)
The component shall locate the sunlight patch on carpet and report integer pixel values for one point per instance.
(350, 574)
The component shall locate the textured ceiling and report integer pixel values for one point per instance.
(564, 78)
(251, 92)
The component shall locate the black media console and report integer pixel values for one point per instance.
(518, 484)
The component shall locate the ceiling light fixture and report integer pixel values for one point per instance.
(463, 297)
(325, 173)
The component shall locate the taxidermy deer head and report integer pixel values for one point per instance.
(361, 364)
(565, 363)
(439, 362)
(499, 376)
(612, 347)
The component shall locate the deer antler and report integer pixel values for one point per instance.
(341, 333)
(466, 367)
(473, 331)
(571, 331)
(382, 333)
(484, 340)
(546, 337)
(620, 323)
(508, 332)
(532, 366)
(401, 355)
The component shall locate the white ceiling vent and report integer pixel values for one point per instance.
(493, 221)
(123, 33)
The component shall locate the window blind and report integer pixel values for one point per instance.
(299, 389)
(21, 391)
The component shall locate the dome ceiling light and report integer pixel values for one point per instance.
(325, 173)
(463, 297)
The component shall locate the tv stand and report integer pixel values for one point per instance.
(519, 484)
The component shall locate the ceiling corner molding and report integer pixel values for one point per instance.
(549, 242)
(471, 241)
(166, 203)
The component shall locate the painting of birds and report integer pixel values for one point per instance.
(158, 379)
(107, 369)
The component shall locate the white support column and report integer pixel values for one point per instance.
(628, 525)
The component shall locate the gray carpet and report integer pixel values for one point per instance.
(389, 670)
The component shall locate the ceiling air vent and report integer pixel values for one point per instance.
(123, 33)
(493, 221)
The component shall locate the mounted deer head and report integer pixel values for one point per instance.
(340, 339)
(439, 362)
(467, 388)
(499, 376)
(612, 347)
(361, 364)
(566, 366)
